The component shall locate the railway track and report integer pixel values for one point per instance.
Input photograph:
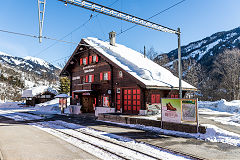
(116, 148)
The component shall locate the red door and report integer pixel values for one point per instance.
(118, 101)
(131, 101)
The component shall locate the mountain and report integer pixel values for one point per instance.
(18, 73)
(205, 51)
(29, 64)
(199, 58)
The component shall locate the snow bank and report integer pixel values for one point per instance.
(48, 107)
(10, 105)
(51, 107)
(222, 106)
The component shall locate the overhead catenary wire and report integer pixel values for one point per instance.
(123, 31)
(162, 11)
(82, 25)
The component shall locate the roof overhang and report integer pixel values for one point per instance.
(170, 88)
(82, 91)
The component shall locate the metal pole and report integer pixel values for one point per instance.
(144, 51)
(179, 64)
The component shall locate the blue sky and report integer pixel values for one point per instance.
(196, 18)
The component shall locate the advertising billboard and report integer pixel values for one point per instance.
(178, 110)
(171, 110)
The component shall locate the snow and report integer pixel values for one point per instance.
(38, 90)
(9, 105)
(4, 54)
(213, 133)
(228, 112)
(145, 70)
(222, 106)
(53, 127)
(63, 96)
(38, 61)
(29, 84)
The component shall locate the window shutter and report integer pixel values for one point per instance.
(86, 60)
(96, 58)
(109, 75)
(90, 59)
(80, 61)
(101, 76)
(92, 78)
(86, 78)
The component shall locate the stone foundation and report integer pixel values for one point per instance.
(188, 128)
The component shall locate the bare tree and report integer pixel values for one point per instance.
(227, 70)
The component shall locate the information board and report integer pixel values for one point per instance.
(189, 111)
(178, 110)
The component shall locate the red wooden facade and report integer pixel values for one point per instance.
(97, 81)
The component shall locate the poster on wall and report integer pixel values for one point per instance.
(105, 101)
(189, 110)
(171, 110)
(60, 102)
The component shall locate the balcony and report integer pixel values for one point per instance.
(86, 86)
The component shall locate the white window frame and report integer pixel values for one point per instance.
(84, 61)
(105, 76)
(90, 78)
(94, 58)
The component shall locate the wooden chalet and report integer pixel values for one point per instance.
(111, 75)
(38, 95)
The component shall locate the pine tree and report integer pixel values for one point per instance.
(64, 85)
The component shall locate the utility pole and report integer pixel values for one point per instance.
(41, 10)
(144, 51)
(86, 4)
(179, 64)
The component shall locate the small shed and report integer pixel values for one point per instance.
(38, 95)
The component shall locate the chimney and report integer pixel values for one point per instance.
(112, 38)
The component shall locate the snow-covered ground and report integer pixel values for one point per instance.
(227, 114)
(53, 127)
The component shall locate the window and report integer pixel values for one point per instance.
(120, 74)
(48, 96)
(84, 61)
(105, 76)
(95, 58)
(83, 79)
(155, 98)
(90, 78)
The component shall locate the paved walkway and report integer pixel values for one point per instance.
(25, 142)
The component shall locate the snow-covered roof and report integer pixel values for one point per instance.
(144, 69)
(38, 90)
(63, 96)
(80, 91)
